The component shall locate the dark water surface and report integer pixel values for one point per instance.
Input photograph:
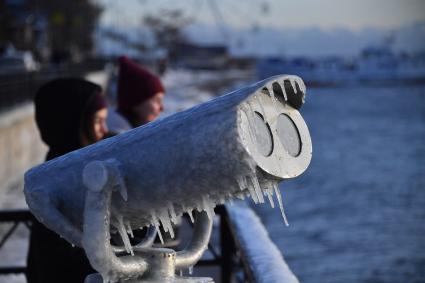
(358, 213)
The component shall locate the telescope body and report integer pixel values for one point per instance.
(235, 145)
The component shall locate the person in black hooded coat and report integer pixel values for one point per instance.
(70, 114)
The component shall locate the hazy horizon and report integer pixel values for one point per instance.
(324, 14)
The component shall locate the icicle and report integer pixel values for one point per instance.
(231, 202)
(172, 213)
(273, 97)
(252, 193)
(208, 207)
(156, 224)
(123, 233)
(272, 94)
(199, 207)
(301, 85)
(240, 196)
(166, 224)
(128, 228)
(292, 81)
(181, 272)
(241, 182)
(285, 95)
(257, 188)
(269, 194)
(189, 212)
(190, 270)
(279, 199)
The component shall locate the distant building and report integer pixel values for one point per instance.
(195, 56)
(22, 26)
(56, 30)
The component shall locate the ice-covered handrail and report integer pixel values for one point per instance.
(265, 260)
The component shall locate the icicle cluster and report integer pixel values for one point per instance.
(248, 186)
(294, 81)
(251, 184)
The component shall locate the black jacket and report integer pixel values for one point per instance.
(59, 109)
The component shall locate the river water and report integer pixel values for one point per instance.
(358, 213)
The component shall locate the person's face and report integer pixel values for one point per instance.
(149, 110)
(99, 124)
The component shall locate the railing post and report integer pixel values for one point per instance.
(227, 246)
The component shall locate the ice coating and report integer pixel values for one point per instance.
(217, 147)
(271, 148)
(234, 157)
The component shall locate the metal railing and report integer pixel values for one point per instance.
(14, 217)
(229, 254)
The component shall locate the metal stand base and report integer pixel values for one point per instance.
(97, 278)
(161, 262)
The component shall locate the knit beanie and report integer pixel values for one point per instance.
(135, 85)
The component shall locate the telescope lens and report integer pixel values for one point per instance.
(288, 135)
(264, 141)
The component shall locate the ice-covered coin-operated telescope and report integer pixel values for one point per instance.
(237, 145)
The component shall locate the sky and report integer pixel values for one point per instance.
(324, 14)
(290, 27)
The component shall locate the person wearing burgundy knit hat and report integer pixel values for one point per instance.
(139, 97)
(70, 113)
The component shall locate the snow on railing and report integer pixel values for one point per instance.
(264, 259)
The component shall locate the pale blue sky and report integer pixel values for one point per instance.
(325, 14)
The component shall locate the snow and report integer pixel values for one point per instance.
(264, 258)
